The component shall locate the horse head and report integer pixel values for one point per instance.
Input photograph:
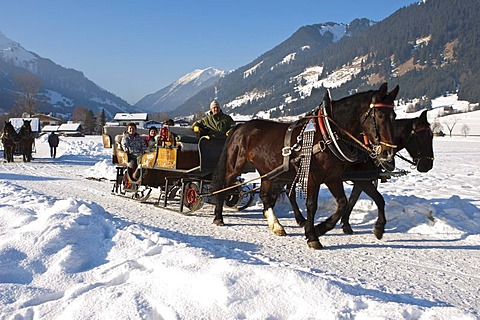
(420, 144)
(27, 125)
(9, 132)
(378, 123)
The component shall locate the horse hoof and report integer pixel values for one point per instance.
(315, 245)
(378, 233)
(347, 229)
(280, 233)
(218, 222)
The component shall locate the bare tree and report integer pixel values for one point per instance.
(436, 127)
(451, 124)
(79, 114)
(465, 129)
(27, 96)
(160, 117)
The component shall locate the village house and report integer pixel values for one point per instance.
(139, 119)
(47, 120)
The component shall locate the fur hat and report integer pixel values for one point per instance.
(214, 104)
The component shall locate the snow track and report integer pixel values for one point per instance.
(426, 269)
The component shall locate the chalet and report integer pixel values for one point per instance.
(153, 123)
(71, 129)
(46, 120)
(50, 128)
(139, 119)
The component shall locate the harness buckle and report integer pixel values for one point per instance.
(286, 151)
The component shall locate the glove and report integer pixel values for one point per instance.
(196, 129)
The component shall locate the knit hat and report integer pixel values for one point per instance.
(214, 104)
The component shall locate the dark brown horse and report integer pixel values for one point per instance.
(9, 136)
(416, 137)
(25, 140)
(266, 145)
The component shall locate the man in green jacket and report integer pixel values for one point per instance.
(215, 124)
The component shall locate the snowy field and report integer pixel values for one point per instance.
(69, 249)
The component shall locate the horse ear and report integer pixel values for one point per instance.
(423, 117)
(394, 92)
(383, 89)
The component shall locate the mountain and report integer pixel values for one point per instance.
(429, 48)
(170, 97)
(62, 89)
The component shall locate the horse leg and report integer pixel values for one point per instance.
(312, 205)
(336, 189)
(370, 189)
(219, 200)
(269, 198)
(352, 200)
(292, 197)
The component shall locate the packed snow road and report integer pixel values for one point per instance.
(427, 257)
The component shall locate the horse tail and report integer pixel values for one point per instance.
(218, 177)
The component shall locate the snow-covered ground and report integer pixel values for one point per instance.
(69, 249)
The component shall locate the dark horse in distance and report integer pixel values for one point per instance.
(9, 136)
(25, 140)
(303, 150)
(416, 137)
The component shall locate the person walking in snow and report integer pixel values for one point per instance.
(53, 141)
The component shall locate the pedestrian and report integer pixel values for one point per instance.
(53, 141)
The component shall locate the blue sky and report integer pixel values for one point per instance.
(134, 48)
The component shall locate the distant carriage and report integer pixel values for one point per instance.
(18, 138)
(32, 135)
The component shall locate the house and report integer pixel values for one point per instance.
(71, 129)
(153, 123)
(50, 128)
(46, 120)
(139, 119)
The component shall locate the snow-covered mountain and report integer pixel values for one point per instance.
(177, 93)
(62, 88)
(425, 59)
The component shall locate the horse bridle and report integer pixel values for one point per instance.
(371, 113)
(413, 135)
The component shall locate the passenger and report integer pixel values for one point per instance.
(166, 137)
(151, 139)
(215, 124)
(134, 145)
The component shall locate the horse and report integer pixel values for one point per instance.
(312, 160)
(416, 137)
(9, 136)
(25, 140)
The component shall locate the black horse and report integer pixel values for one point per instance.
(266, 145)
(9, 136)
(416, 137)
(25, 140)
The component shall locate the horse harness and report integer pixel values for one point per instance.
(304, 142)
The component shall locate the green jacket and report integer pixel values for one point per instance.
(215, 125)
